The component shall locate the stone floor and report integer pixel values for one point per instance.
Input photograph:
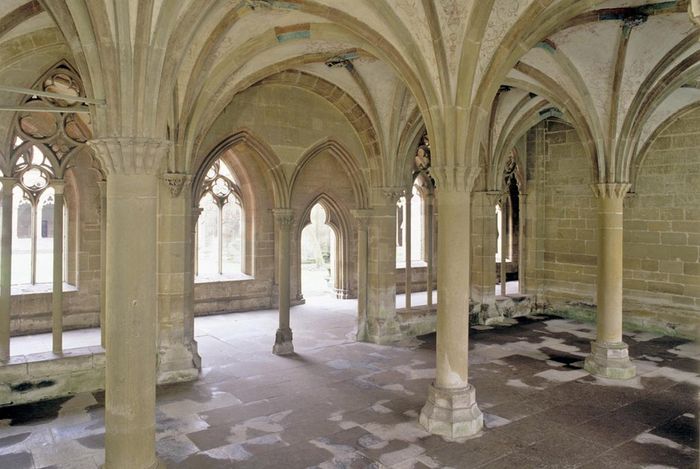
(342, 404)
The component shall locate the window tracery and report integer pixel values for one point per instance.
(220, 226)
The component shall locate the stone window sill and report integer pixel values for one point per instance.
(223, 278)
(39, 289)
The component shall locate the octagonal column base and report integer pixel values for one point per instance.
(610, 360)
(452, 413)
(283, 342)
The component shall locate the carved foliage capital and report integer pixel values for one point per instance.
(611, 191)
(455, 178)
(283, 216)
(130, 156)
(393, 194)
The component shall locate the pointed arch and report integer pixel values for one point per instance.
(337, 219)
(271, 164)
(347, 161)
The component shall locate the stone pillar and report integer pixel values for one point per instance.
(362, 218)
(381, 326)
(484, 239)
(284, 219)
(57, 297)
(451, 408)
(178, 359)
(131, 165)
(430, 246)
(407, 246)
(609, 356)
(522, 243)
(6, 266)
(103, 262)
(505, 207)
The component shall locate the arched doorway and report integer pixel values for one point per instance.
(318, 255)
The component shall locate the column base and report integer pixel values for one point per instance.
(610, 360)
(178, 363)
(283, 342)
(379, 331)
(452, 413)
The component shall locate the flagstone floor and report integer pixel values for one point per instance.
(342, 404)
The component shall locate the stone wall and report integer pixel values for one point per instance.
(661, 229)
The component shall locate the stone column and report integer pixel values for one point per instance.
(102, 185)
(407, 247)
(522, 243)
(381, 326)
(57, 297)
(484, 239)
(284, 219)
(131, 165)
(609, 356)
(362, 218)
(505, 206)
(429, 246)
(451, 408)
(6, 266)
(178, 359)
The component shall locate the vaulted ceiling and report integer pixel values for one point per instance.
(476, 73)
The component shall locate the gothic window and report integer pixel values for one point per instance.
(220, 236)
(33, 218)
(416, 230)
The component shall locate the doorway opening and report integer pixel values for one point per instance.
(318, 251)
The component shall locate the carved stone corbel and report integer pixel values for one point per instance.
(176, 182)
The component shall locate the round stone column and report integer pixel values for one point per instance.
(131, 165)
(609, 356)
(6, 266)
(451, 408)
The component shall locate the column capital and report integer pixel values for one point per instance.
(8, 182)
(130, 155)
(58, 186)
(611, 191)
(176, 182)
(283, 216)
(391, 193)
(455, 178)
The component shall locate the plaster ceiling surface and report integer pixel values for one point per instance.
(339, 76)
(508, 102)
(453, 16)
(544, 61)
(592, 49)
(503, 16)
(648, 43)
(259, 24)
(34, 23)
(677, 100)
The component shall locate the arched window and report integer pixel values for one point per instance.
(33, 218)
(220, 226)
(416, 230)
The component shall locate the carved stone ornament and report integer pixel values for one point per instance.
(175, 182)
(694, 11)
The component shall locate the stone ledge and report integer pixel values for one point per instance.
(40, 376)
